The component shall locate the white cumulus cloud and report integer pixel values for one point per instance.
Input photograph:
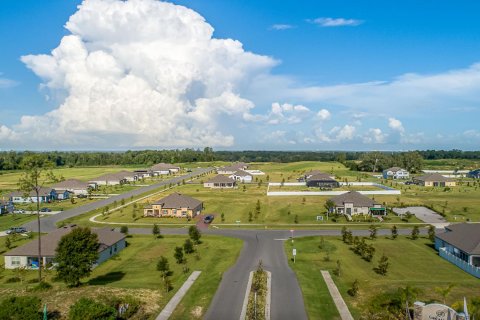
(141, 73)
(374, 135)
(396, 125)
(323, 114)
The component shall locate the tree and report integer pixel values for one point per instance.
(75, 255)
(329, 205)
(394, 232)
(163, 266)
(8, 242)
(445, 292)
(431, 233)
(344, 234)
(353, 291)
(89, 309)
(124, 230)
(36, 174)
(223, 217)
(338, 270)
(19, 308)
(415, 233)
(156, 231)
(296, 218)
(194, 234)
(382, 267)
(258, 209)
(373, 232)
(188, 246)
(178, 255)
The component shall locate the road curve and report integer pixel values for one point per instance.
(48, 224)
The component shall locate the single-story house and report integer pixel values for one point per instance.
(242, 176)
(174, 205)
(355, 203)
(316, 172)
(111, 242)
(164, 168)
(129, 176)
(144, 173)
(475, 174)
(460, 244)
(109, 179)
(62, 194)
(220, 181)
(6, 207)
(396, 173)
(434, 180)
(231, 169)
(44, 195)
(74, 186)
(322, 180)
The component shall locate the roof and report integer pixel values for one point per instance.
(354, 197)
(434, 177)
(177, 200)
(118, 176)
(163, 166)
(394, 169)
(71, 184)
(234, 167)
(106, 238)
(221, 179)
(241, 173)
(42, 192)
(464, 236)
(320, 176)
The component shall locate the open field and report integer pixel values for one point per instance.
(412, 262)
(14, 220)
(451, 164)
(134, 272)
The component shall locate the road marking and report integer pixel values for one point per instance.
(280, 239)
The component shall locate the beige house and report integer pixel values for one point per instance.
(164, 168)
(354, 203)
(434, 180)
(174, 205)
(220, 181)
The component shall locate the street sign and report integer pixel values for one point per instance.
(294, 255)
(319, 218)
(294, 252)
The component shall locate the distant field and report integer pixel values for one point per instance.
(451, 164)
(412, 262)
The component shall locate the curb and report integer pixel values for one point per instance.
(243, 315)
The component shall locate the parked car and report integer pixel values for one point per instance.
(208, 218)
(81, 196)
(45, 210)
(13, 230)
(18, 211)
(409, 182)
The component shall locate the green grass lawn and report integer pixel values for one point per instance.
(412, 262)
(14, 220)
(134, 270)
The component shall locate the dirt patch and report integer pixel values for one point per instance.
(197, 312)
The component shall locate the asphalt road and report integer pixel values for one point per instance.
(267, 246)
(48, 224)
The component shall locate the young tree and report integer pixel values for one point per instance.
(37, 173)
(415, 233)
(394, 232)
(344, 234)
(124, 230)
(445, 292)
(223, 217)
(156, 231)
(382, 267)
(329, 206)
(250, 216)
(338, 270)
(258, 209)
(296, 218)
(8, 242)
(164, 267)
(178, 255)
(194, 234)
(431, 233)
(75, 255)
(353, 291)
(373, 232)
(188, 246)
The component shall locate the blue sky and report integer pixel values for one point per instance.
(353, 75)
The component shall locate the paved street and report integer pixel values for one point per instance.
(48, 224)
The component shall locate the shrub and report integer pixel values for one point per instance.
(88, 309)
(19, 308)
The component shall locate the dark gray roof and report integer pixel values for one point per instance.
(221, 179)
(320, 176)
(464, 236)
(241, 173)
(434, 177)
(358, 200)
(394, 169)
(177, 200)
(118, 176)
(106, 238)
(42, 192)
(71, 184)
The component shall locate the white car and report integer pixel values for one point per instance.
(19, 211)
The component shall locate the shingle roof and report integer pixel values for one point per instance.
(320, 176)
(434, 177)
(177, 200)
(118, 176)
(241, 173)
(42, 192)
(354, 197)
(106, 238)
(221, 179)
(234, 167)
(464, 236)
(394, 169)
(71, 184)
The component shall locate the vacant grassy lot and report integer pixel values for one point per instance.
(14, 220)
(134, 272)
(412, 262)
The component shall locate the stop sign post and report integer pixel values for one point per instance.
(291, 231)
(294, 254)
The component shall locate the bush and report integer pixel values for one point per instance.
(19, 308)
(129, 305)
(88, 309)
(42, 286)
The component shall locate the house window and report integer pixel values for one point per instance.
(15, 261)
(165, 211)
(115, 248)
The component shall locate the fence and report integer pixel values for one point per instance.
(474, 271)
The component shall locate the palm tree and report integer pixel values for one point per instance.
(445, 292)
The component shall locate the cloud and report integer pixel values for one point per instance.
(323, 114)
(346, 132)
(335, 22)
(285, 113)
(396, 125)
(374, 135)
(279, 27)
(141, 73)
(6, 83)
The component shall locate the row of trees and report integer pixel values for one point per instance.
(11, 160)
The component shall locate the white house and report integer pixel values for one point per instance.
(164, 168)
(242, 176)
(111, 242)
(110, 179)
(395, 173)
(44, 195)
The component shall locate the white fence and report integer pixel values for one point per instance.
(389, 191)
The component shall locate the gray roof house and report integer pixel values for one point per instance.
(321, 180)
(109, 179)
(174, 205)
(460, 244)
(231, 169)
(111, 242)
(354, 203)
(243, 176)
(73, 185)
(220, 181)
(434, 180)
(164, 168)
(45, 194)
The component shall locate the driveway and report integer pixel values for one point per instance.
(424, 214)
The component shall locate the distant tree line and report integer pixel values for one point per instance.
(11, 160)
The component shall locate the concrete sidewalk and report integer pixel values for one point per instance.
(337, 297)
(172, 304)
